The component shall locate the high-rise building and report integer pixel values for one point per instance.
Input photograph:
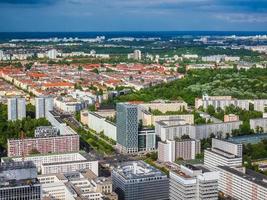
(52, 54)
(146, 140)
(43, 106)
(137, 55)
(18, 180)
(223, 153)
(241, 183)
(193, 183)
(127, 127)
(16, 108)
(138, 180)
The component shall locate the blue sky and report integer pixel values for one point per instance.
(133, 15)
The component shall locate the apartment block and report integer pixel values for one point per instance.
(242, 184)
(43, 105)
(16, 108)
(260, 105)
(259, 125)
(44, 145)
(223, 153)
(193, 183)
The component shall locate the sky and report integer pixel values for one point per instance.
(132, 15)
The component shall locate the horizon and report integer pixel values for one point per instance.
(125, 15)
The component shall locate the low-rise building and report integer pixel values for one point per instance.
(231, 118)
(259, 125)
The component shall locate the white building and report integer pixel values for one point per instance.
(193, 183)
(166, 151)
(16, 108)
(136, 55)
(52, 54)
(259, 125)
(223, 153)
(260, 105)
(43, 105)
(242, 184)
(69, 104)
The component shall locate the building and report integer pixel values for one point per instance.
(127, 127)
(69, 105)
(193, 183)
(241, 183)
(45, 131)
(136, 55)
(43, 145)
(19, 181)
(260, 105)
(223, 153)
(77, 185)
(259, 125)
(221, 102)
(43, 105)
(146, 140)
(16, 108)
(138, 180)
(169, 151)
(52, 54)
(231, 118)
(171, 129)
(166, 151)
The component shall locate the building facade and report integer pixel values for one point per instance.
(138, 180)
(43, 105)
(16, 108)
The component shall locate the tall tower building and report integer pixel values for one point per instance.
(43, 106)
(137, 55)
(127, 127)
(16, 108)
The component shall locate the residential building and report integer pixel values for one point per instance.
(16, 108)
(259, 125)
(231, 118)
(242, 184)
(52, 54)
(260, 105)
(70, 105)
(43, 145)
(127, 127)
(19, 181)
(171, 129)
(193, 183)
(43, 105)
(164, 106)
(223, 153)
(136, 55)
(45, 131)
(138, 180)
(169, 151)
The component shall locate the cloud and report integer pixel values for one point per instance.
(243, 18)
(28, 2)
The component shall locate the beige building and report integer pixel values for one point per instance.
(231, 118)
(84, 117)
(164, 106)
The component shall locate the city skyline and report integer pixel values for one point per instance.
(118, 15)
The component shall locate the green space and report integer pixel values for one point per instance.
(242, 84)
(12, 129)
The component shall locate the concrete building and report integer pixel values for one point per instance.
(166, 151)
(220, 102)
(43, 145)
(99, 124)
(46, 131)
(43, 105)
(164, 106)
(231, 118)
(170, 150)
(260, 105)
(259, 125)
(223, 153)
(171, 129)
(16, 108)
(69, 105)
(77, 185)
(127, 127)
(136, 55)
(138, 180)
(52, 54)
(18, 180)
(242, 184)
(193, 183)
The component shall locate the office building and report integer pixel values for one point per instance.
(169, 151)
(193, 183)
(242, 184)
(18, 180)
(138, 180)
(43, 145)
(43, 105)
(146, 140)
(223, 153)
(16, 108)
(127, 127)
